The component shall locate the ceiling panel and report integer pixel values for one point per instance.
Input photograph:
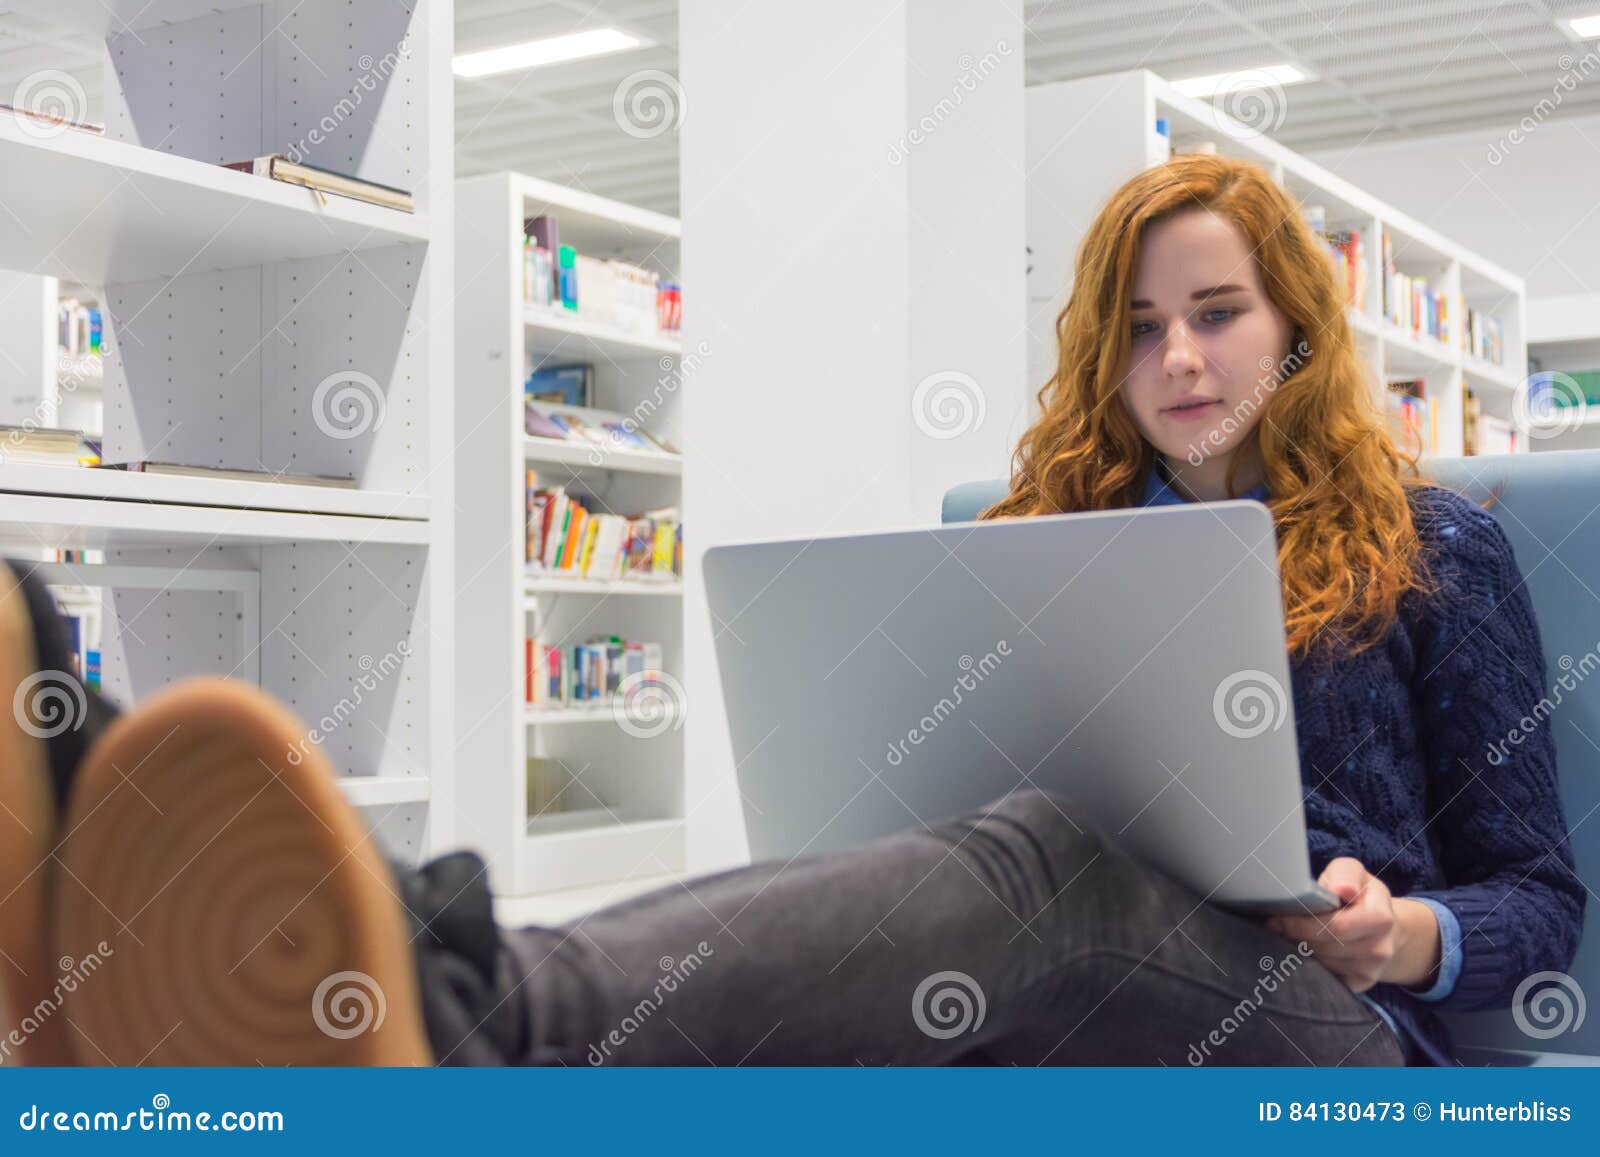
(1384, 71)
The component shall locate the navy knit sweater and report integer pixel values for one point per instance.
(1395, 757)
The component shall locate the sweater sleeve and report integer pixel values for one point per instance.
(1495, 813)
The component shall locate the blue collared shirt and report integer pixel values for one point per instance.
(1158, 491)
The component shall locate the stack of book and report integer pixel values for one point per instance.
(1410, 303)
(609, 292)
(1484, 433)
(586, 674)
(569, 385)
(1413, 420)
(566, 539)
(593, 429)
(1347, 251)
(78, 328)
(47, 446)
(1484, 337)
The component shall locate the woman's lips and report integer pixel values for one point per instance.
(1192, 413)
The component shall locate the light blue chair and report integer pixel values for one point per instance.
(1550, 508)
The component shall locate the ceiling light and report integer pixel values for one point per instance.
(1270, 74)
(550, 50)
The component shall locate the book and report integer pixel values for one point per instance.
(539, 425)
(279, 168)
(338, 481)
(563, 537)
(47, 446)
(35, 117)
(571, 385)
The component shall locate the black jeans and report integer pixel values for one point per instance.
(1017, 934)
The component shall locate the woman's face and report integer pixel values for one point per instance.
(1207, 343)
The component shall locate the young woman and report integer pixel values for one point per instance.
(237, 914)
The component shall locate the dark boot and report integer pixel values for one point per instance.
(48, 720)
(472, 1001)
(69, 714)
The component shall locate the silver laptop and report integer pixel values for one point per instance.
(1132, 660)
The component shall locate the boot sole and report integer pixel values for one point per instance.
(248, 917)
(31, 1000)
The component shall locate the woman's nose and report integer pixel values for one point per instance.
(1181, 356)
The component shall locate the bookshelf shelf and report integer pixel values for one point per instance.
(599, 713)
(97, 210)
(188, 490)
(600, 457)
(628, 587)
(1407, 351)
(1077, 159)
(1589, 420)
(59, 522)
(624, 805)
(1481, 371)
(380, 790)
(249, 323)
(556, 338)
(598, 844)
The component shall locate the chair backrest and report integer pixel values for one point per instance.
(1549, 506)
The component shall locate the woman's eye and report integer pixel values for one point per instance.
(1140, 328)
(1220, 314)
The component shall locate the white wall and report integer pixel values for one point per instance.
(853, 226)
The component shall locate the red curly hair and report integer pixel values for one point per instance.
(1347, 548)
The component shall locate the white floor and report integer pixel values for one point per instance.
(560, 907)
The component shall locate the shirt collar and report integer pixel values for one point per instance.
(1159, 492)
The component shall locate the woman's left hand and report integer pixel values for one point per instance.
(1372, 937)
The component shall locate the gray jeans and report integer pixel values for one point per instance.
(1016, 934)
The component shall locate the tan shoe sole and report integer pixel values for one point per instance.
(242, 913)
(31, 998)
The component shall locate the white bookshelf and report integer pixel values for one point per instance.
(1085, 137)
(253, 325)
(622, 818)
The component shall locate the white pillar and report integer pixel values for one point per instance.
(27, 349)
(853, 207)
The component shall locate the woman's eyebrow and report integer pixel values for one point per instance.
(1197, 295)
